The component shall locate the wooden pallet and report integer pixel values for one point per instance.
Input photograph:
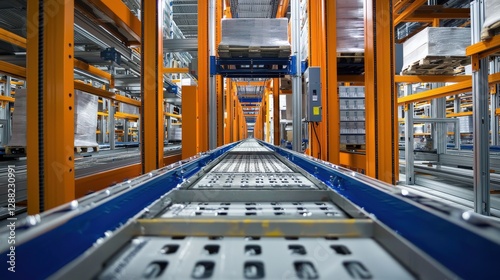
(86, 149)
(15, 150)
(228, 51)
(438, 65)
(351, 147)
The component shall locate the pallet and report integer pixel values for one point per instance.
(15, 150)
(438, 65)
(83, 149)
(352, 147)
(228, 51)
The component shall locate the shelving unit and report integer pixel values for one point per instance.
(352, 117)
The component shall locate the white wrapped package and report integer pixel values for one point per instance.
(18, 138)
(492, 18)
(254, 37)
(85, 119)
(436, 42)
(350, 26)
(129, 109)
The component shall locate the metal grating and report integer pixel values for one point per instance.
(251, 164)
(253, 258)
(254, 181)
(318, 209)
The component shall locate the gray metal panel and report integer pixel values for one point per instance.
(272, 258)
(312, 92)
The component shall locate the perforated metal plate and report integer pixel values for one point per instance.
(297, 209)
(253, 258)
(254, 181)
(250, 146)
(236, 163)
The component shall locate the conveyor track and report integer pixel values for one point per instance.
(253, 211)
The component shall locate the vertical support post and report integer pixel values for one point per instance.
(409, 142)
(297, 78)
(212, 93)
(34, 107)
(276, 111)
(190, 122)
(331, 112)
(111, 122)
(494, 105)
(268, 113)
(438, 110)
(480, 117)
(219, 12)
(59, 104)
(317, 57)
(203, 71)
(228, 112)
(381, 107)
(152, 118)
(235, 111)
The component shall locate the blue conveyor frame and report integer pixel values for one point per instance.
(460, 245)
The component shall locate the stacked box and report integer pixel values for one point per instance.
(18, 138)
(254, 37)
(492, 18)
(352, 115)
(350, 26)
(129, 109)
(85, 120)
(434, 42)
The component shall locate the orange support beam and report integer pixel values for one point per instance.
(332, 114)
(121, 15)
(94, 71)
(408, 11)
(59, 105)
(12, 38)
(282, 8)
(152, 121)
(228, 112)
(12, 69)
(276, 111)
(381, 100)
(190, 121)
(203, 72)
(219, 12)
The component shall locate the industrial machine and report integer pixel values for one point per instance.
(250, 210)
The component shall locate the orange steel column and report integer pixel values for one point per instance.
(234, 109)
(228, 114)
(219, 11)
(317, 57)
(190, 122)
(381, 102)
(268, 113)
(59, 104)
(331, 114)
(203, 72)
(32, 78)
(152, 119)
(276, 111)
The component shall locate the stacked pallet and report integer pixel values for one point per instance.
(436, 51)
(254, 38)
(85, 123)
(491, 24)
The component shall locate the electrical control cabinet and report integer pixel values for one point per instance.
(312, 95)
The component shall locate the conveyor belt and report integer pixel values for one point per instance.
(254, 211)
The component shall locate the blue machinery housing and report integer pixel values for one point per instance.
(254, 67)
(462, 243)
